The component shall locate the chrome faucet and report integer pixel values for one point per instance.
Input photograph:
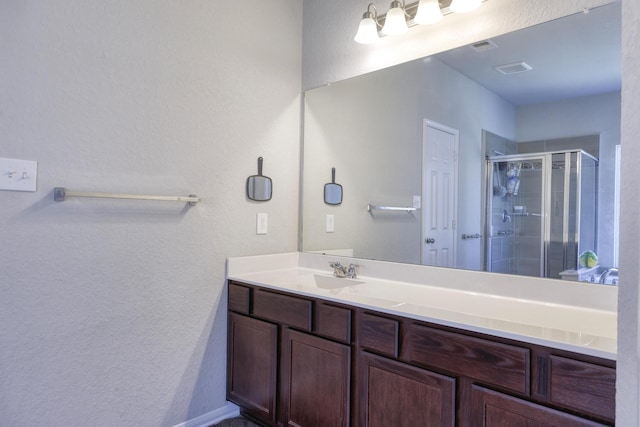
(352, 272)
(607, 272)
(340, 270)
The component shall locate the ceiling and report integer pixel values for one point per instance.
(574, 56)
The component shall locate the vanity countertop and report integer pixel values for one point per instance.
(570, 316)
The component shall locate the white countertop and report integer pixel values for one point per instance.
(571, 316)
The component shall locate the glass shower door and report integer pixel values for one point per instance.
(515, 215)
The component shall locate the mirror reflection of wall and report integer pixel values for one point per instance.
(370, 127)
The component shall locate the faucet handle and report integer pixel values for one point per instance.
(353, 270)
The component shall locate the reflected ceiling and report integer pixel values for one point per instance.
(589, 36)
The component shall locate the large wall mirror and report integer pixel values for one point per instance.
(429, 135)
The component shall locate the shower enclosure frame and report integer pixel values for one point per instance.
(546, 159)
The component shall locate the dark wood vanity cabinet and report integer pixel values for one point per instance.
(252, 365)
(289, 358)
(306, 362)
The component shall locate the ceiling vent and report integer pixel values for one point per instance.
(516, 67)
(483, 46)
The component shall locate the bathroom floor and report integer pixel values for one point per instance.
(236, 422)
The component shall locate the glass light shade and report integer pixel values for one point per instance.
(395, 22)
(367, 31)
(428, 12)
(463, 6)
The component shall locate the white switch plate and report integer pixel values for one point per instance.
(262, 223)
(330, 223)
(18, 175)
(417, 202)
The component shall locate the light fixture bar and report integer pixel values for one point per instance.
(412, 8)
(410, 11)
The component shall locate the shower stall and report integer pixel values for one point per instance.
(541, 212)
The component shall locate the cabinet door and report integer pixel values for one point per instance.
(493, 409)
(252, 366)
(400, 395)
(316, 381)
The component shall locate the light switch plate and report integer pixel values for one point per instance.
(417, 202)
(330, 223)
(18, 175)
(262, 223)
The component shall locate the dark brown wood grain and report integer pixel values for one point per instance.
(378, 334)
(582, 386)
(252, 365)
(494, 409)
(503, 365)
(400, 395)
(316, 381)
(284, 309)
(239, 298)
(333, 322)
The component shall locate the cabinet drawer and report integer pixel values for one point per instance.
(493, 363)
(378, 334)
(239, 298)
(586, 387)
(282, 309)
(333, 322)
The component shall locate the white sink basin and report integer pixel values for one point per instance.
(332, 282)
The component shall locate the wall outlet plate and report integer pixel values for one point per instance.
(18, 175)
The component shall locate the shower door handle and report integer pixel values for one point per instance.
(429, 240)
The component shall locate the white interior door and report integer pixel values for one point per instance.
(439, 194)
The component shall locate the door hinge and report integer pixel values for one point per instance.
(453, 224)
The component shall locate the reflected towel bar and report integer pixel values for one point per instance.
(471, 236)
(61, 193)
(407, 209)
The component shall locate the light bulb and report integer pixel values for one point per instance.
(428, 12)
(367, 31)
(395, 23)
(463, 6)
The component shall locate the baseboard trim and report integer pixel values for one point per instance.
(228, 411)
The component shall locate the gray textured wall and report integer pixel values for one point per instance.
(113, 312)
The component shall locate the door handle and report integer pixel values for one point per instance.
(429, 240)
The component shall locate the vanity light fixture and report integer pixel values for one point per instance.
(400, 17)
(395, 22)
